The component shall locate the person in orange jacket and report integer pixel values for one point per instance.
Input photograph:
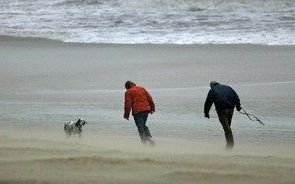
(141, 103)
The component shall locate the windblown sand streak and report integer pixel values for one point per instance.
(76, 163)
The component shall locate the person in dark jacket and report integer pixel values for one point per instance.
(225, 100)
(141, 103)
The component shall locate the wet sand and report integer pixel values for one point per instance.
(54, 74)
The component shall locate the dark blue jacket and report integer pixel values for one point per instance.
(223, 97)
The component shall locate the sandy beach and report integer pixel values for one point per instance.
(47, 83)
(37, 160)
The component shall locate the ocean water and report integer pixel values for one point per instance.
(270, 22)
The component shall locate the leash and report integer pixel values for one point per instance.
(251, 116)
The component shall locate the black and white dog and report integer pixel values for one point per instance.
(74, 128)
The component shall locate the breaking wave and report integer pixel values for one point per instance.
(152, 21)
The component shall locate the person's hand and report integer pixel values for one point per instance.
(152, 112)
(238, 108)
(207, 115)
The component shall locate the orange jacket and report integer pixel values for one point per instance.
(139, 100)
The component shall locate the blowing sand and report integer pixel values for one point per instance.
(46, 83)
(28, 159)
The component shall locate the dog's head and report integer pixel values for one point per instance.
(81, 122)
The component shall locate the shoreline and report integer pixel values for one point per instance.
(4, 38)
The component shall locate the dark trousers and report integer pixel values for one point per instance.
(225, 117)
(144, 132)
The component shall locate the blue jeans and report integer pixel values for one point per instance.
(140, 121)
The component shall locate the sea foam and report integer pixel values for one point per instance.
(159, 21)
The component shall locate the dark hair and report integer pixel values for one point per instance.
(129, 84)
